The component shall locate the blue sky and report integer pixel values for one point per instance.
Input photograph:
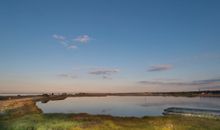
(83, 45)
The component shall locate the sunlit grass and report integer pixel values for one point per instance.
(94, 122)
(40, 122)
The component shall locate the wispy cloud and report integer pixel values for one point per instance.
(67, 76)
(207, 81)
(103, 71)
(69, 43)
(196, 82)
(211, 88)
(160, 67)
(59, 37)
(82, 39)
(106, 73)
(71, 46)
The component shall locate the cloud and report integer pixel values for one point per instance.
(71, 44)
(207, 81)
(106, 73)
(196, 82)
(106, 77)
(160, 67)
(167, 79)
(211, 88)
(82, 39)
(67, 76)
(59, 37)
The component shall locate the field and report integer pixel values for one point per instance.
(103, 122)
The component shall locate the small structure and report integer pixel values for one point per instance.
(192, 112)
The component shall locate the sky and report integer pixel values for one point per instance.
(109, 46)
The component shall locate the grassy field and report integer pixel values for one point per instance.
(98, 122)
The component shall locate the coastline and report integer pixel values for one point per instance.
(52, 96)
(23, 114)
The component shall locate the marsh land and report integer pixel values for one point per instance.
(36, 112)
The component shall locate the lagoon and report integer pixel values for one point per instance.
(137, 106)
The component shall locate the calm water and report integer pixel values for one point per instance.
(126, 106)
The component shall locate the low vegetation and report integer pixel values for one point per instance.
(23, 114)
(101, 122)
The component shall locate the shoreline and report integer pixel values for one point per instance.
(51, 96)
(27, 104)
(19, 114)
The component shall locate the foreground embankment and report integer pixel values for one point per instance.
(18, 107)
(101, 122)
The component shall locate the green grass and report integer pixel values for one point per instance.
(39, 122)
(95, 122)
